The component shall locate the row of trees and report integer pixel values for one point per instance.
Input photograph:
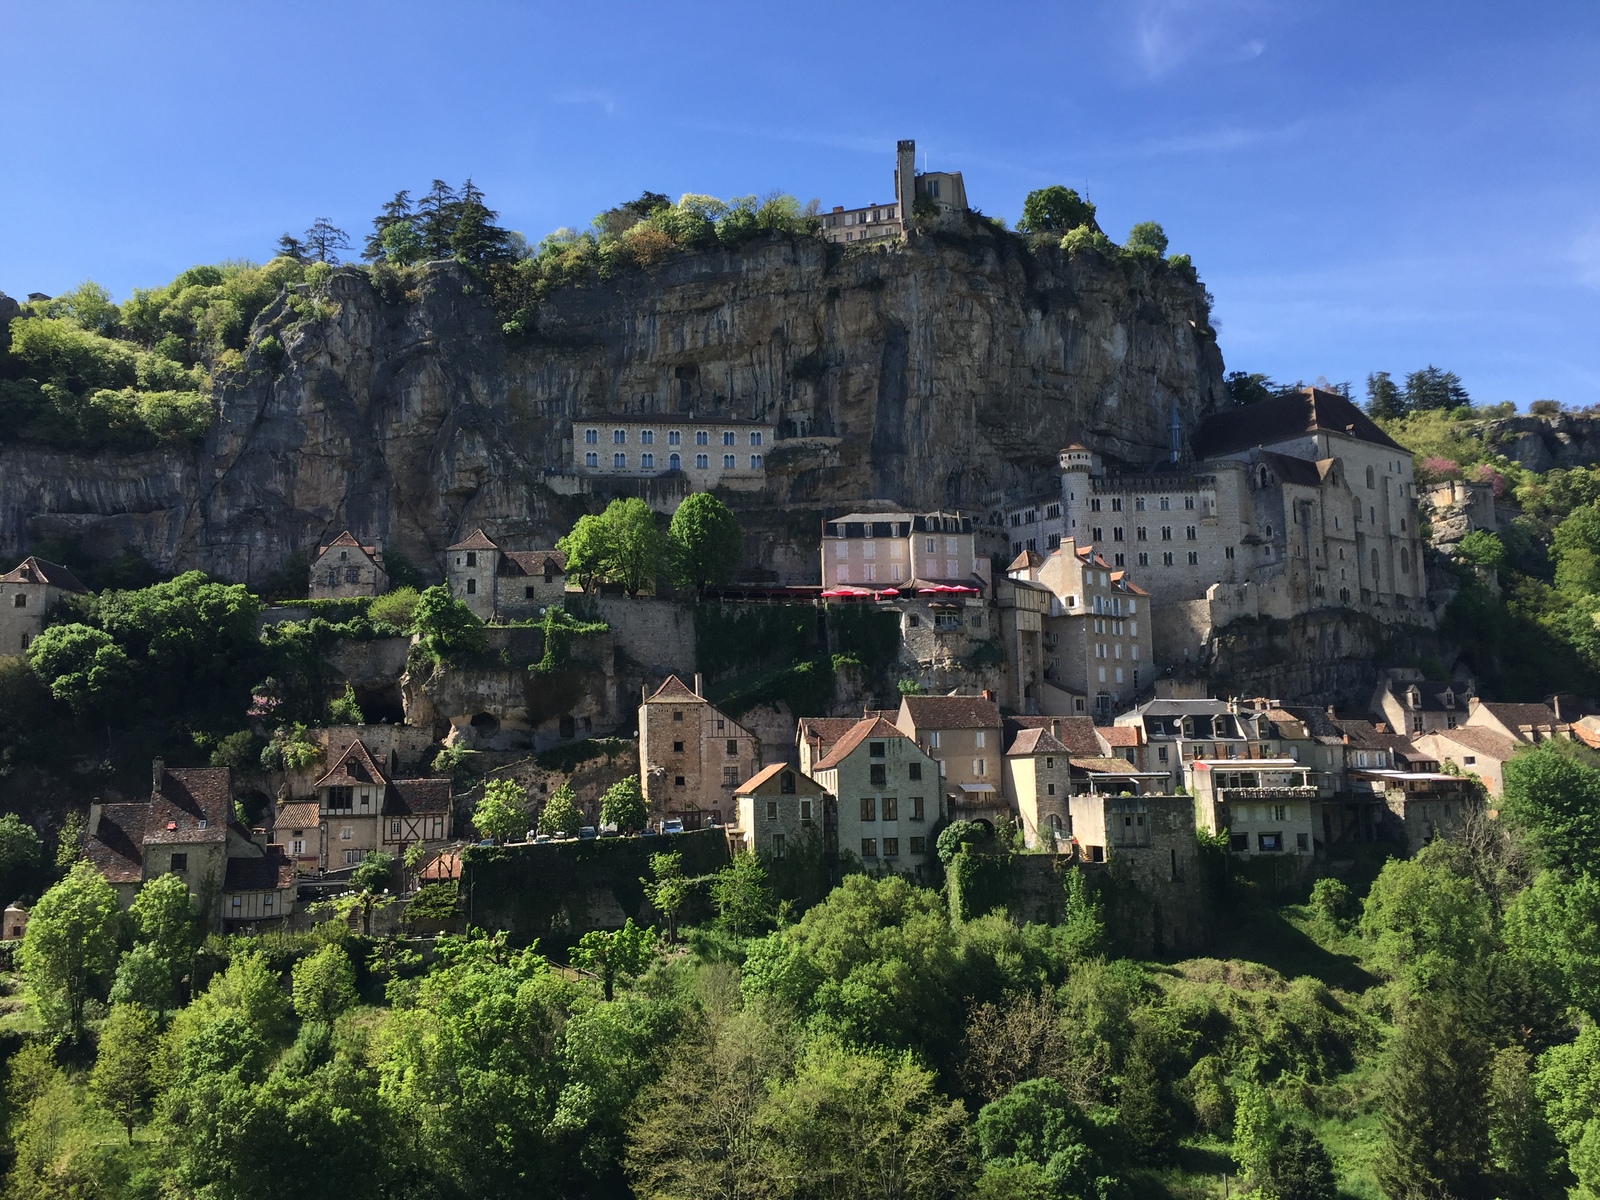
(502, 812)
(702, 546)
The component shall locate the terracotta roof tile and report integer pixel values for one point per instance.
(868, 727)
(195, 804)
(355, 765)
(532, 562)
(952, 712)
(271, 872)
(1489, 742)
(1102, 764)
(117, 849)
(1125, 736)
(416, 797)
(1519, 716)
(675, 689)
(1029, 742)
(477, 540)
(37, 570)
(347, 541)
(301, 815)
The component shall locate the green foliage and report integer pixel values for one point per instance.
(85, 668)
(569, 757)
(239, 751)
(502, 812)
(559, 628)
(1552, 796)
(448, 629)
(1554, 926)
(1147, 236)
(560, 815)
(1087, 238)
(1435, 1105)
(374, 873)
(1483, 549)
(21, 851)
(291, 749)
(623, 805)
(622, 545)
(617, 955)
(1054, 209)
(69, 946)
(122, 1081)
(344, 710)
(1427, 925)
(324, 985)
(667, 889)
(1430, 388)
(1039, 1142)
(1083, 930)
(740, 894)
(435, 901)
(1333, 902)
(1384, 401)
(705, 542)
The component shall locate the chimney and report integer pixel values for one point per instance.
(92, 829)
(258, 835)
(988, 695)
(699, 684)
(158, 772)
(1055, 727)
(644, 692)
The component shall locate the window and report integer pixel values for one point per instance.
(346, 833)
(340, 798)
(727, 437)
(619, 459)
(678, 716)
(933, 739)
(1227, 552)
(755, 439)
(1098, 533)
(1049, 789)
(674, 437)
(298, 846)
(1166, 533)
(236, 903)
(869, 808)
(917, 809)
(878, 774)
(677, 781)
(1239, 841)
(647, 437)
(730, 777)
(755, 462)
(180, 862)
(472, 587)
(1269, 843)
(1094, 504)
(772, 810)
(1144, 558)
(1116, 533)
(394, 828)
(591, 437)
(702, 438)
(777, 845)
(647, 461)
(619, 437)
(914, 770)
(891, 809)
(352, 857)
(977, 767)
(1280, 812)
(869, 847)
(1188, 501)
(919, 845)
(591, 459)
(1302, 842)
(733, 747)
(1190, 533)
(728, 462)
(19, 601)
(805, 811)
(1194, 558)
(978, 739)
(1166, 558)
(891, 847)
(353, 574)
(702, 461)
(1165, 504)
(266, 903)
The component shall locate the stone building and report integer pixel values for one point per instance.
(1472, 750)
(360, 810)
(692, 756)
(344, 569)
(1411, 705)
(27, 594)
(705, 451)
(1264, 804)
(875, 222)
(1175, 732)
(963, 734)
(899, 550)
(886, 790)
(500, 585)
(15, 923)
(187, 828)
(776, 810)
(1097, 632)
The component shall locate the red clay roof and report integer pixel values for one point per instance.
(675, 689)
(347, 540)
(823, 732)
(190, 797)
(1121, 735)
(1027, 560)
(1489, 742)
(302, 815)
(477, 540)
(1522, 716)
(952, 712)
(1102, 764)
(355, 765)
(416, 797)
(117, 849)
(532, 562)
(37, 570)
(868, 727)
(1029, 742)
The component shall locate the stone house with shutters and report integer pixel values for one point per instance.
(360, 809)
(900, 550)
(776, 810)
(1265, 805)
(1523, 723)
(963, 734)
(345, 569)
(187, 828)
(1472, 750)
(27, 594)
(887, 802)
(502, 585)
(1411, 706)
(692, 756)
(297, 828)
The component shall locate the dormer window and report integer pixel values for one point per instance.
(1449, 698)
(1414, 698)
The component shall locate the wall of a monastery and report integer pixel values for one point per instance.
(658, 636)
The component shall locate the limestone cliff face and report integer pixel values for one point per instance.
(1541, 443)
(943, 371)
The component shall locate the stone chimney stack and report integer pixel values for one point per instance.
(96, 808)
(158, 773)
(699, 684)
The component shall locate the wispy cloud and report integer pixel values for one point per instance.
(1167, 34)
(604, 101)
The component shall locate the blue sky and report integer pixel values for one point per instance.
(1363, 186)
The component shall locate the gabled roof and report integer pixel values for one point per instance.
(194, 804)
(952, 712)
(532, 562)
(117, 847)
(1488, 742)
(1026, 561)
(417, 797)
(347, 541)
(1301, 471)
(1102, 764)
(477, 540)
(1119, 579)
(300, 815)
(825, 731)
(1077, 734)
(1522, 716)
(1310, 410)
(37, 570)
(1430, 694)
(768, 774)
(1316, 720)
(1029, 742)
(868, 727)
(272, 872)
(675, 689)
(1122, 736)
(1365, 735)
(355, 765)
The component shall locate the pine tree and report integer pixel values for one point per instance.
(290, 246)
(476, 240)
(1431, 388)
(436, 219)
(1435, 1105)
(396, 212)
(324, 240)
(1143, 1113)
(1384, 401)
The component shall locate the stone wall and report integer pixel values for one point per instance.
(655, 637)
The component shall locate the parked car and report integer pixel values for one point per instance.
(672, 825)
(543, 837)
(586, 832)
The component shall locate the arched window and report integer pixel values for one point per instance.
(1372, 480)
(675, 462)
(1405, 561)
(1266, 479)
(1374, 566)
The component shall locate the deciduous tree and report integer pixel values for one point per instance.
(740, 894)
(560, 815)
(502, 813)
(122, 1081)
(324, 984)
(1054, 209)
(614, 955)
(70, 944)
(705, 540)
(623, 805)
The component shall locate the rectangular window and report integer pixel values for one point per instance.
(916, 809)
(352, 857)
(180, 862)
(977, 767)
(266, 903)
(297, 846)
(879, 774)
(772, 810)
(1302, 841)
(933, 738)
(394, 828)
(1269, 843)
(869, 808)
(730, 777)
(1280, 812)
(919, 845)
(777, 845)
(891, 847)
(891, 809)
(869, 847)
(237, 903)
(914, 770)
(346, 833)
(805, 811)
(977, 739)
